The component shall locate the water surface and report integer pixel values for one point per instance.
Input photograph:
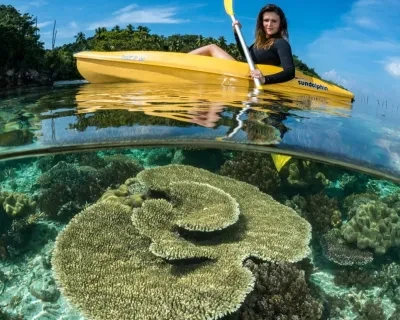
(142, 201)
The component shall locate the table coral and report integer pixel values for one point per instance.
(104, 262)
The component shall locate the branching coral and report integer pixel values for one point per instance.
(281, 292)
(319, 209)
(118, 168)
(361, 278)
(65, 189)
(254, 168)
(390, 282)
(372, 310)
(104, 260)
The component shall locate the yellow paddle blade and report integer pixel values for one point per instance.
(228, 7)
(279, 160)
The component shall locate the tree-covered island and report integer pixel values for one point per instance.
(25, 61)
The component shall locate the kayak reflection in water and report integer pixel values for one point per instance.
(271, 46)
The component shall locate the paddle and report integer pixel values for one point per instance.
(279, 160)
(229, 10)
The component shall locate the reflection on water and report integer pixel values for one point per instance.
(194, 233)
(140, 114)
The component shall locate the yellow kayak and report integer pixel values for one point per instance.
(183, 68)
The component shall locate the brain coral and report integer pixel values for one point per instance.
(116, 263)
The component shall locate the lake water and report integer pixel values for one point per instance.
(147, 201)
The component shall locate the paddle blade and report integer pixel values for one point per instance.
(279, 160)
(228, 7)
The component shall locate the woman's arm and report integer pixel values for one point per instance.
(284, 51)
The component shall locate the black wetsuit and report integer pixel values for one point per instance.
(279, 54)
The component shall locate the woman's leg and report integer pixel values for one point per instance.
(212, 50)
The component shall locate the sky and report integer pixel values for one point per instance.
(354, 43)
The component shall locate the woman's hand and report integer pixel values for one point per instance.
(256, 74)
(236, 23)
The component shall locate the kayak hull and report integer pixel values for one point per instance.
(176, 68)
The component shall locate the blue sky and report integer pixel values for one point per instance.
(355, 43)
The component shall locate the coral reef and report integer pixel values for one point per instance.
(352, 202)
(117, 168)
(305, 174)
(374, 226)
(66, 188)
(390, 282)
(17, 216)
(359, 277)
(254, 168)
(17, 204)
(113, 263)
(211, 160)
(321, 211)
(372, 311)
(281, 292)
(123, 195)
(337, 250)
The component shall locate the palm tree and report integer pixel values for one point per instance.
(99, 32)
(116, 28)
(80, 41)
(143, 29)
(222, 42)
(130, 28)
(200, 41)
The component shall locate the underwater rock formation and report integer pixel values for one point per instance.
(178, 256)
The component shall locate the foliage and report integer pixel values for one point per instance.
(21, 50)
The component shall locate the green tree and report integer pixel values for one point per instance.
(20, 50)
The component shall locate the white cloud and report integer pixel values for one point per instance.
(37, 3)
(44, 24)
(334, 76)
(393, 66)
(73, 24)
(360, 50)
(366, 23)
(125, 9)
(133, 14)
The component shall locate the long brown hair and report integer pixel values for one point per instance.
(261, 38)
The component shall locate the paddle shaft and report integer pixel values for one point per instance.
(246, 51)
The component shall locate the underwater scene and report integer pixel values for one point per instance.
(132, 201)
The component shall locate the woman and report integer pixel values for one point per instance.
(271, 46)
